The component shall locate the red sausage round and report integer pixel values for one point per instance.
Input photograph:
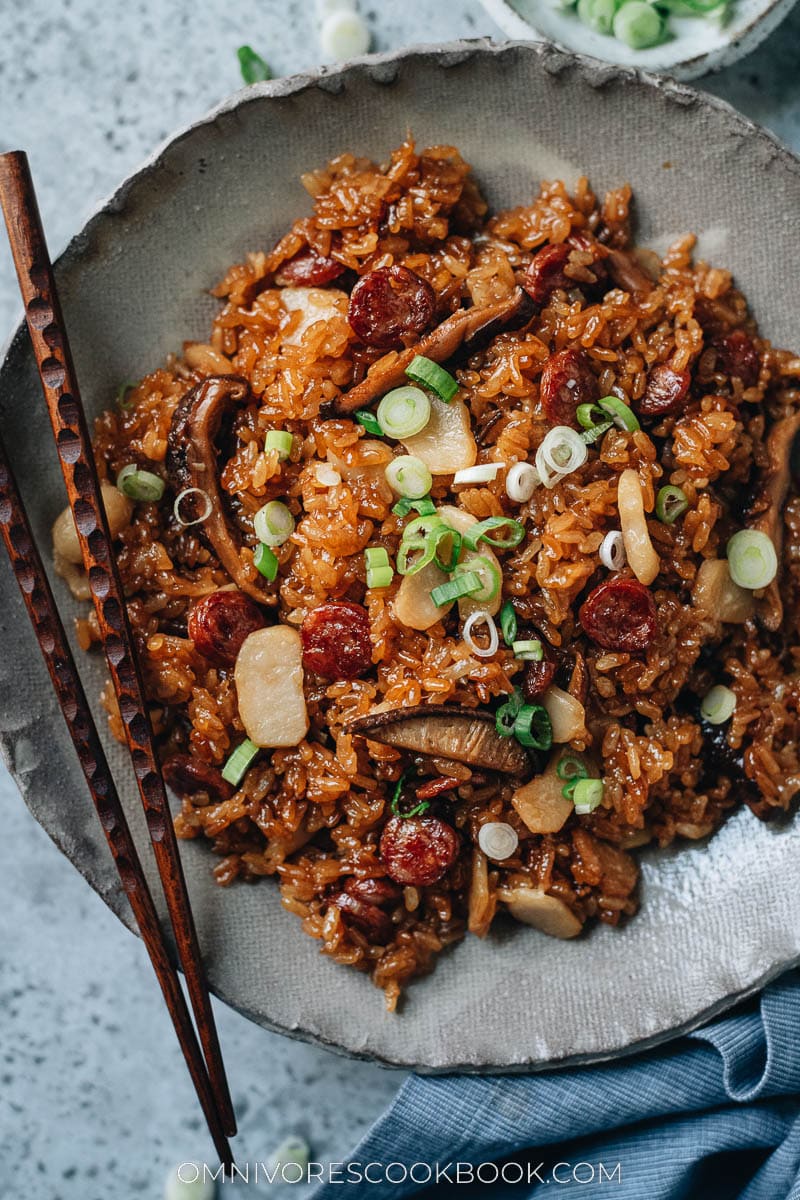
(375, 924)
(219, 624)
(546, 272)
(388, 304)
(567, 381)
(739, 356)
(418, 850)
(666, 391)
(336, 641)
(620, 615)
(309, 269)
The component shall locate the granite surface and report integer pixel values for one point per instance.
(94, 1099)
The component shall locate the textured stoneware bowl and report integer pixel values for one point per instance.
(717, 919)
(695, 45)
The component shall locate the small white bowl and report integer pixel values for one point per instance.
(697, 45)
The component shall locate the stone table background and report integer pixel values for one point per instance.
(94, 1098)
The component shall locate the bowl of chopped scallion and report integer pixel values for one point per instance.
(682, 38)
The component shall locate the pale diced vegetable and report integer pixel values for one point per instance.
(446, 444)
(543, 912)
(269, 687)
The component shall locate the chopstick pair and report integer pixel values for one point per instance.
(71, 434)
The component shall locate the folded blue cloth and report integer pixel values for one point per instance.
(714, 1115)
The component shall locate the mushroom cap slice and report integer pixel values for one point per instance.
(192, 462)
(445, 731)
(780, 441)
(545, 913)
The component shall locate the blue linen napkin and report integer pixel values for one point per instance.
(714, 1115)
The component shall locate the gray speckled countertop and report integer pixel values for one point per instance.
(94, 1099)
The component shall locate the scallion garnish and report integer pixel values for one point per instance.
(482, 530)
(403, 412)
(273, 523)
(467, 584)
(409, 477)
(265, 562)
(718, 705)
(280, 440)
(561, 452)
(508, 623)
(506, 714)
(420, 808)
(570, 769)
(237, 764)
(620, 413)
(140, 485)
(369, 421)
(528, 651)
(752, 560)
(532, 727)
(379, 569)
(253, 67)
(488, 572)
(587, 795)
(431, 375)
(122, 392)
(671, 503)
(424, 506)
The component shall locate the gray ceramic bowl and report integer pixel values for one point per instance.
(717, 919)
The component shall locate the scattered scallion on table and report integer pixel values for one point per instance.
(253, 67)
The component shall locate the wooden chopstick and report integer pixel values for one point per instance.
(16, 533)
(71, 433)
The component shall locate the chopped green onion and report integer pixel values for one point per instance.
(420, 808)
(482, 473)
(590, 436)
(265, 561)
(589, 415)
(506, 714)
(379, 569)
(528, 651)
(140, 485)
(447, 561)
(253, 67)
(752, 560)
(273, 523)
(508, 623)
(620, 413)
(532, 727)
(480, 532)
(404, 412)
(409, 477)
(588, 793)
(465, 585)
(238, 762)
(562, 451)
(369, 421)
(122, 392)
(639, 25)
(571, 767)
(597, 14)
(718, 705)
(421, 526)
(431, 375)
(671, 503)
(424, 506)
(280, 440)
(488, 572)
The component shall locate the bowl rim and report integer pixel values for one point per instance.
(737, 44)
(382, 68)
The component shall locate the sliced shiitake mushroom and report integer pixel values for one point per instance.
(780, 441)
(445, 731)
(192, 463)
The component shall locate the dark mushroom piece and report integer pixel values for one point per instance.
(446, 731)
(466, 329)
(192, 463)
(772, 498)
(627, 273)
